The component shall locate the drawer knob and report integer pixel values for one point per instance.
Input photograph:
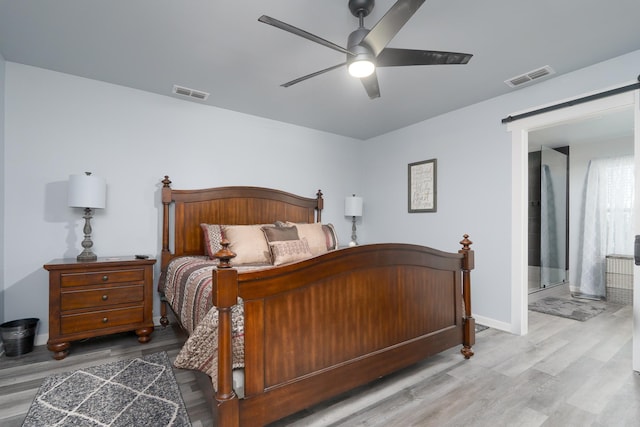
(105, 297)
(105, 278)
(105, 320)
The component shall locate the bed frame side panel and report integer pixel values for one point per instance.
(360, 313)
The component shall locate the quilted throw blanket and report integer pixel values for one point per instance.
(187, 288)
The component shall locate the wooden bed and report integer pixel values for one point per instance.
(322, 326)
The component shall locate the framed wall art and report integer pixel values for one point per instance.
(423, 186)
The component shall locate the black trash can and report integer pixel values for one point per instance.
(18, 336)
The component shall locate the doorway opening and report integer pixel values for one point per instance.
(521, 131)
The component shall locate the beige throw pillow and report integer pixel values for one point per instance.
(249, 244)
(321, 238)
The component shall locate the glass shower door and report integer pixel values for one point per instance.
(553, 218)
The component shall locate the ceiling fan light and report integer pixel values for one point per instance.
(361, 68)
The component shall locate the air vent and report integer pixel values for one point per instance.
(191, 93)
(530, 76)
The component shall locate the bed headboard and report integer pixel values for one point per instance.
(225, 205)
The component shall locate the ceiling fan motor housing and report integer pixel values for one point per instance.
(361, 7)
(355, 38)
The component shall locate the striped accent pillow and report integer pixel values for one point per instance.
(212, 238)
(286, 251)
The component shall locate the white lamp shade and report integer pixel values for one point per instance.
(353, 206)
(87, 191)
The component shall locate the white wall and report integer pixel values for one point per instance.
(2, 183)
(579, 157)
(474, 152)
(58, 124)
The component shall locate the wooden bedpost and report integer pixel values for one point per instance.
(320, 206)
(166, 200)
(165, 255)
(224, 293)
(469, 321)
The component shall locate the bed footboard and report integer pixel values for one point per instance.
(320, 327)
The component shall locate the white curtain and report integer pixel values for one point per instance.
(608, 221)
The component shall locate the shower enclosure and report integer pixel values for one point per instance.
(548, 218)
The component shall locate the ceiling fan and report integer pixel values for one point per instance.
(366, 49)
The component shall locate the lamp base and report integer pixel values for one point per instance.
(86, 256)
(354, 237)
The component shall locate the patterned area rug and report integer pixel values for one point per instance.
(571, 308)
(136, 392)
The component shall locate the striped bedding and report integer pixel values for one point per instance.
(187, 288)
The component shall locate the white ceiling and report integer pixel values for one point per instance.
(219, 47)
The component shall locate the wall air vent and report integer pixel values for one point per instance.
(191, 93)
(530, 76)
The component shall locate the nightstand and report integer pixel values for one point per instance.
(107, 296)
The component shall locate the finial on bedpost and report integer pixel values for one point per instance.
(466, 242)
(166, 182)
(469, 322)
(225, 254)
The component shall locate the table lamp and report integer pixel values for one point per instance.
(89, 192)
(353, 208)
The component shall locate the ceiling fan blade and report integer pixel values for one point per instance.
(308, 76)
(389, 25)
(370, 84)
(302, 33)
(390, 57)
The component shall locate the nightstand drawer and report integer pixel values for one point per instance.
(70, 324)
(102, 297)
(98, 277)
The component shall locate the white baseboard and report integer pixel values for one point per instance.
(41, 339)
(492, 323)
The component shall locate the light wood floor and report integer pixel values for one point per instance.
(563, 373)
